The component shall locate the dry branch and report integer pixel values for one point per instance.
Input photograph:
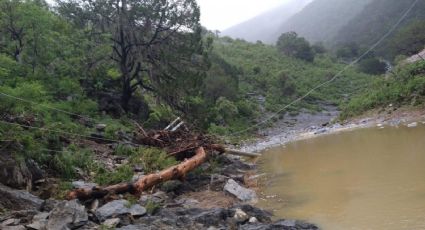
(173, 173)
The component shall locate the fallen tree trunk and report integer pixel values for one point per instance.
(177, 172)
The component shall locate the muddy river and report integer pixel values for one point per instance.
(364, 179)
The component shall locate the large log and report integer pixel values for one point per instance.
(176, 172)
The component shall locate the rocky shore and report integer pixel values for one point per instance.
(307, 125)
(220, 199)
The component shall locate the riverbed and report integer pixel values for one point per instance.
(371, 178)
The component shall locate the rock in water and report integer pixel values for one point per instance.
(119, 207)
(240, 192)
(18, 199)
(67, 215)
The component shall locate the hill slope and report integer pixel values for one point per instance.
(263, 27)
(322, 19)
(376, 19)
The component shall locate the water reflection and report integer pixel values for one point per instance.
(364, 179)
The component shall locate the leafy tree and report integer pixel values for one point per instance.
(290, 44)
(144, 35)
(372, 65)
(409, 40)
(318, 48)
(348, 51)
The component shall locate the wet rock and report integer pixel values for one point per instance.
(49, 205)
(240, 192)
(13, 173)
(94, 205)
(213, 217)
(240, 216)
(112, 223)
(412, 125)
(261, 215)
(217, 182)
(137, 210)
(9, 222)
(158, 197)
(321, 131)
(39, 221)
(117, 208)
(188, 203)
(253, 220)
(18, 199)
(67, 215)
(81, 184)
(19, 227)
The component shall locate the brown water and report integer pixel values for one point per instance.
(363, 179)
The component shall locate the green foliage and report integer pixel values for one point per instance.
(66, 163)
(152, 207)
(121, 174)
(151, 159)
(372, 65)
(409, 40)
(405, 86)
(290, 44)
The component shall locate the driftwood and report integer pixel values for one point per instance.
(190, 148)
(176, 172)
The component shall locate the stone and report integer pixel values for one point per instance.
(253, 220)
(261, 215)
(67, 215)
(240, 192)
(137, 210)
(19, 227)
(94, 205)
(13, 173)
(111, 223)
(112, 209)
(158, 197)
(240, 216)
(81, 184)
(18, 199)
(412, 125)
(12, 221)
(39, 221)
(119, 207)
(100, 127)
(49, 205)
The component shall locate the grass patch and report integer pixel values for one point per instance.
(152, 159)
(121, 174)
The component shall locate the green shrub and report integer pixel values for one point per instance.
(121, 174)
(152, 159)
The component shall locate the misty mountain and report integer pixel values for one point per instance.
(321, 20)
(264, 27)
(376, 19)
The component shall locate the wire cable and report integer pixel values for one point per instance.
(334, 77)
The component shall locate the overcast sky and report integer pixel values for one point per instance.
(222, 14)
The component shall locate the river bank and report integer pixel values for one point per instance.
(307, 125)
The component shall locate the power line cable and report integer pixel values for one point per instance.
(334, 77)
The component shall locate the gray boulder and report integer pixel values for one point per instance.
(240, 192)
(119, 207)
(18, 199)
(67, 215)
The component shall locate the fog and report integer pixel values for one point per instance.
(222, 14)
